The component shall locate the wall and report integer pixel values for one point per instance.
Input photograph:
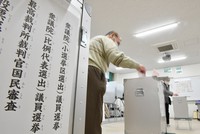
(187, 71)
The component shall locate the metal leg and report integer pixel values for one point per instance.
(177, 126)
(189, 124)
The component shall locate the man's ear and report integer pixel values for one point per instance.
(112, 35)
(109, 36)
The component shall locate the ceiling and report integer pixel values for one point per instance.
(128, 17)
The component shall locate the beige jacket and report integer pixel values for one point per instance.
(103, 51)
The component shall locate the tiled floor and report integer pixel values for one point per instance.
(117, 127)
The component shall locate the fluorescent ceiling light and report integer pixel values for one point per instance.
(157, 29)
(173, 59)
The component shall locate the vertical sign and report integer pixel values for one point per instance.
(38, 57)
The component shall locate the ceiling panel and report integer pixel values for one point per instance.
(131, 16)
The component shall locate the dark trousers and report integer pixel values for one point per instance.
(95, 90)
(167, 112)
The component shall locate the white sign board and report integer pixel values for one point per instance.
(186, 87)
(38, 59)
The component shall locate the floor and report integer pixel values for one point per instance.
(116, 126)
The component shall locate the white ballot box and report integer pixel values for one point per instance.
(180, 107)
(144, 106)
(181, 112)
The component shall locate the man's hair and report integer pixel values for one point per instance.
(113, 32)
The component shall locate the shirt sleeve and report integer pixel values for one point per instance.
(117, 57)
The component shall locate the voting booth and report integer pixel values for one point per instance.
(198, 106)
(114, 105)
(144, 106)
(43, 83)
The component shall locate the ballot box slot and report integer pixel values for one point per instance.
(139, 92)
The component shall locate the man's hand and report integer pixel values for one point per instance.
(175, 94)
(142, 69)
